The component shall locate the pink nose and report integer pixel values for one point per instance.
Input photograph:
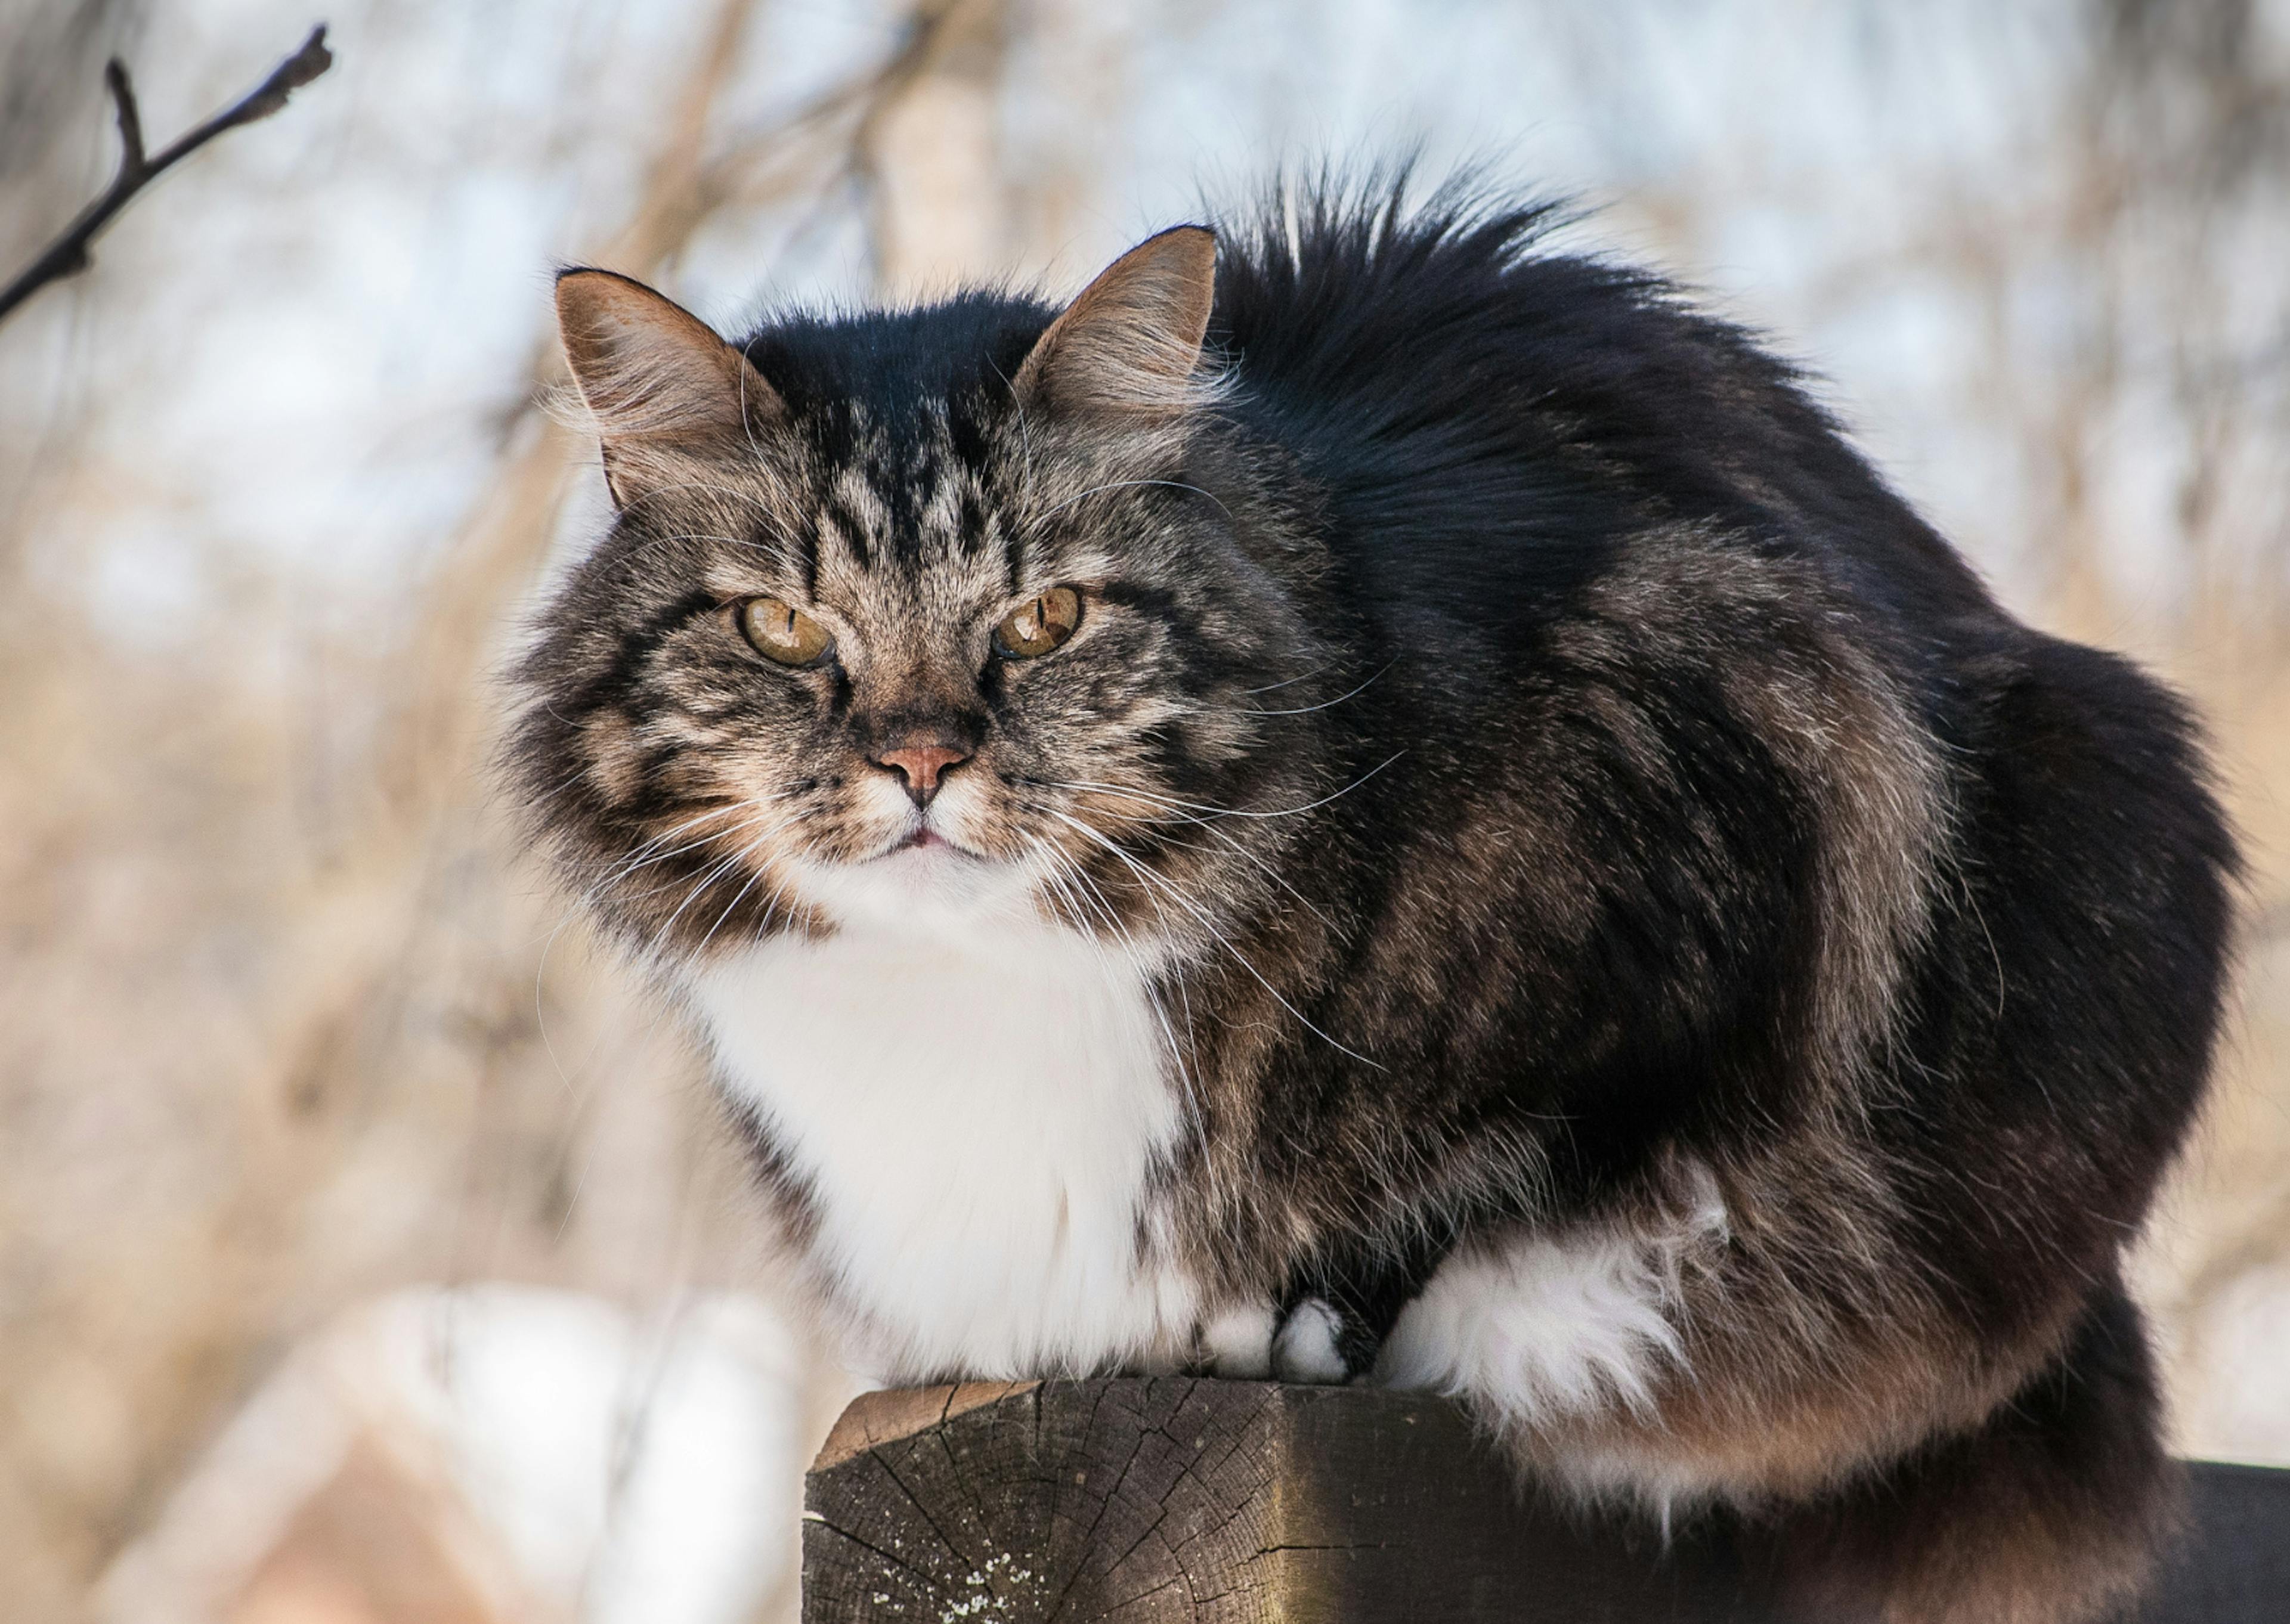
(921, 767)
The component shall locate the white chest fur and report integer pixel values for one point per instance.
(977, 1119)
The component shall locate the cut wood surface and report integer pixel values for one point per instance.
(1183, 1500)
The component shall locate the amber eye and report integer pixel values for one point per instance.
(1040, 626)
(784, 634)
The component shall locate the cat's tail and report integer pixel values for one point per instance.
(2049, 1513)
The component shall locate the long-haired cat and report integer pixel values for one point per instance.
(1371, 801)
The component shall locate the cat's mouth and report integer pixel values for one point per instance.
(922, 837)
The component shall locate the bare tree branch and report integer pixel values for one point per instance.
(69, 254)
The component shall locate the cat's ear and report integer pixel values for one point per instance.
(657, 380)
(1131, 343)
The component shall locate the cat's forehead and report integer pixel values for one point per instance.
(906, 503)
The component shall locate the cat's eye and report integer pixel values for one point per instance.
(1041, 625)
(784, 633)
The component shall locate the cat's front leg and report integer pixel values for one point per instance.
(1327, 1329)
(1334, 1317)
(1304, 1341)
(1325, 1340)
(1236, 1342)
(1319, 1344)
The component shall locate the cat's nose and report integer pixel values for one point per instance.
(920, 765)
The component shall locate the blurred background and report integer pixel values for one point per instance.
(369, 1249)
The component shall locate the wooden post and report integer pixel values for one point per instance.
(1176, 1500)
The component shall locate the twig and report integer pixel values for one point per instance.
(69, 254)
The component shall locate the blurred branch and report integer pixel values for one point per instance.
(857, 107)
(69, 254)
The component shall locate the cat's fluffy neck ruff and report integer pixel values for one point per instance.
(974, 1118)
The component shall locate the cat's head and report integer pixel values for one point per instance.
(903, 619)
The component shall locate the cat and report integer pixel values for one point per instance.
(1371, 800)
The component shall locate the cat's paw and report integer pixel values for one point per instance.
(1309, 1346)
(1236, 1342)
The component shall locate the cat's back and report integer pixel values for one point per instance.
(1620, 600)
(1493, 426)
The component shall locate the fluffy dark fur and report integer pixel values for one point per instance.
(1580, 799)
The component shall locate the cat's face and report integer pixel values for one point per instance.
(978, 658)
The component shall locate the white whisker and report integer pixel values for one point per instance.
(1304, 711)
(1040, 519)
(1285, 683)
(1148, 877)
(1104, 907)
(1226, 812)
(706, 879)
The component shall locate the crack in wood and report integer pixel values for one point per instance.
(961, 1556)
(929, 1585)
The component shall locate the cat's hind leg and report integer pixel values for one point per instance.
(2048, 1512)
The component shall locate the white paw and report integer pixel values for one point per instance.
(1238, 1342)
(1305, 1350)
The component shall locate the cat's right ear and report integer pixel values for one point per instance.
(663, 387)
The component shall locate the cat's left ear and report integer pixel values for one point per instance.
(1131, 343)
(658, 381)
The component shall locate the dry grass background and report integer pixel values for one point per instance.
(285, 1019)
